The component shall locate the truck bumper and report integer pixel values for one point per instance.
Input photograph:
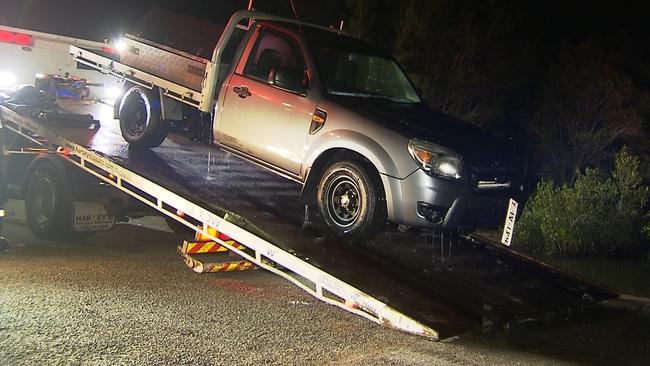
(423, 201)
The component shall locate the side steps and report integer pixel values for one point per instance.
(215, 253)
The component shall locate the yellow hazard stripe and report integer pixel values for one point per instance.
(209, 247)
(228, 266)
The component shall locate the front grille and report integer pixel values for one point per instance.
(492, 177)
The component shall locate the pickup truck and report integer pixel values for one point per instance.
(331, 112)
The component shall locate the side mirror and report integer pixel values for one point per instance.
(287, 79)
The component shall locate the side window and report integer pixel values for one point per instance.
(277, 60)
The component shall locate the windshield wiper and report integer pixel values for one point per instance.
(370, 95)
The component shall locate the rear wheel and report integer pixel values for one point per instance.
(351, 201)
(48, 209)
(140, 120)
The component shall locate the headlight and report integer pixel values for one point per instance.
(7, 79)
(434, 159)
(120, 45)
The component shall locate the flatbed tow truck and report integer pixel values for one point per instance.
(434, 284)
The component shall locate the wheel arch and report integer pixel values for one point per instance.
(356, 147)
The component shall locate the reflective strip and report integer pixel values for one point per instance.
(2, 213)
(209, 247)
(228, 266)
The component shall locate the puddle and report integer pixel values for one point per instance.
(628, 276)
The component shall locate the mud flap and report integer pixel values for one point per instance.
(91, 216)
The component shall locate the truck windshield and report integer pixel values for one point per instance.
(347, 72)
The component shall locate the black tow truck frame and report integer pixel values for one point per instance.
(59, 199)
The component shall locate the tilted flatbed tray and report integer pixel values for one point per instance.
(444, 286)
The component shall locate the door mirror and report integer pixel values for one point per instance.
(288, 79)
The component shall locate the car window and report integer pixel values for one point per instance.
(277, 60)
(352, 73)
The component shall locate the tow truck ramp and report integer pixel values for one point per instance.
(257, 251)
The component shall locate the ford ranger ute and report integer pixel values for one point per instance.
(331, 112)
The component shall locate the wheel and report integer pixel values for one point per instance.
(351, 201)
(48, 209)
(140, 120)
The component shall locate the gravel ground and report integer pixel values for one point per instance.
(125, 298)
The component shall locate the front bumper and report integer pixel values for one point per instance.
(420, 200)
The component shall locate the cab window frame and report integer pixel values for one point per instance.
(297, 50)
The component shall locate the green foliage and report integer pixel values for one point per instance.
(599, 215)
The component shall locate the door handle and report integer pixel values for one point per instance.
(242, 91)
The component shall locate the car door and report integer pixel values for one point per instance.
(266, 113)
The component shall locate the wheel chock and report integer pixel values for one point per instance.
(188, 249)
(228, 266)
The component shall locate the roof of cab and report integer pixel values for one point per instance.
(313, 35)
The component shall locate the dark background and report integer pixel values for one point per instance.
(526, 70)
(97, 20)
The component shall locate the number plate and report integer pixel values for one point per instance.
(509, 227)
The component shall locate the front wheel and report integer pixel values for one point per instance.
(351, 201)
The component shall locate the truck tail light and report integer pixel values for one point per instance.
(6, 37)
(23, 39)
(20, 39)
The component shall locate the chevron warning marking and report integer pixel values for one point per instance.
(209, 247)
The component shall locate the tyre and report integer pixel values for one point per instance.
(351, 201)
(140, 120)
(48, 208)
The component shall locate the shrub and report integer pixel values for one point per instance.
(599, 215)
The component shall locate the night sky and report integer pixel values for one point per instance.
(96, 20)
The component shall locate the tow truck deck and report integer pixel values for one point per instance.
(437, 285)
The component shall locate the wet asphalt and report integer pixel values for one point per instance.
(125, 298)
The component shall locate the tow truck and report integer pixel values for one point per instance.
(436, 285)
